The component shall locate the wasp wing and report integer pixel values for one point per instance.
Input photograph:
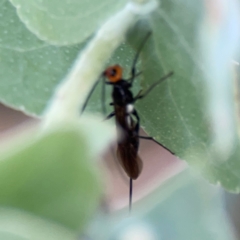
(129, 160)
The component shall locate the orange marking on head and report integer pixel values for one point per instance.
(113, 73)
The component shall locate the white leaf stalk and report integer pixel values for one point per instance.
(72, 92)
(220, 43)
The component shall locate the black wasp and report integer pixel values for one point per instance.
(126, 116)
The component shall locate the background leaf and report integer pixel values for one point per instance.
(29, 68)
(65, 22)
(183, 208)
(176, 112)
(53, 175)
(20, 225)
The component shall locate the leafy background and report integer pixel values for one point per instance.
(38, 44)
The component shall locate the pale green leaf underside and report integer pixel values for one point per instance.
(65, 22)
(29, 68)
(176, 211)
(20, 225)
(52, 176)
(179, 118)
(13, 34)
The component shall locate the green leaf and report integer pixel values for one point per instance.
(183, 208)
(13, 34)
(20, 225)
(65, 22)
(52, 175)
(29, 68)
(177, 112)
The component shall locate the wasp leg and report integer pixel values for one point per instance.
(150, 138)
(141, 95)
(138, 96)
(110, 116)
(134, 113)
(135, 75)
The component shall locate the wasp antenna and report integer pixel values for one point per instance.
(130, 194)
(140, 48)
(103, 98)
(89, 95)
(137, 55)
